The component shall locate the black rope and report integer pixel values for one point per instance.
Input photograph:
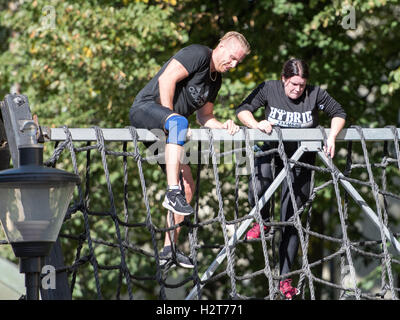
(347, 248)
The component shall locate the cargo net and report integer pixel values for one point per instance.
(114, 229)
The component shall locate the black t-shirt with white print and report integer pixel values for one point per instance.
(284, 112)
(194, 91)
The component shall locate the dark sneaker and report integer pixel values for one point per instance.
(175, 201)
(165, 256)
(181, 259)
(287, 290)
(255, 232)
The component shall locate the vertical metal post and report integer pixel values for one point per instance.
(31, 267)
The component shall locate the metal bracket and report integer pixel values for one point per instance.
(15, 110)
(311, 146)
(20, 127)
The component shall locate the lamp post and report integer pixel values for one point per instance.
(33, 203)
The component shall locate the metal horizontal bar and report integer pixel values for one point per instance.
(313, 134)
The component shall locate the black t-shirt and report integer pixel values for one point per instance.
(282, 111)
(195, 90)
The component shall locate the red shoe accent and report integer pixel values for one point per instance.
(255, 233)
(287, 290)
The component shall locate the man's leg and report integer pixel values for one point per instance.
(188, 185)
(151, 115)
(171, 237)
(173, 154)
(177, 127)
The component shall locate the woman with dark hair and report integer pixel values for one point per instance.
(289, 103)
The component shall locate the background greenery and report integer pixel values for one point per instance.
(81, 63)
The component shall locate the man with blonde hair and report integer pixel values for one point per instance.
(188, 82)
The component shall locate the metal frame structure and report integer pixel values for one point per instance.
(304, 147)
(311, 141)
(15, 109)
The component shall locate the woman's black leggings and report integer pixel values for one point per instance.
(301, 182)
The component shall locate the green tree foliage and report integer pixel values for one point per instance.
(81, 63)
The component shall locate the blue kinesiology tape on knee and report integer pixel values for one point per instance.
(177, 127)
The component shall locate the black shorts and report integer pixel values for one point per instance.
(149, 115)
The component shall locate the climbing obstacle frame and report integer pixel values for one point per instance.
(117, 211)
